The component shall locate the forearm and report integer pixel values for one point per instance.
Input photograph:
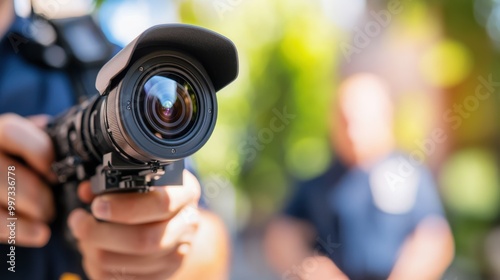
(308, 265)
(426, 254)
(209, 254)
(316, 267)
(288, 252)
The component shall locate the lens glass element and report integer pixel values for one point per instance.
(169, 105)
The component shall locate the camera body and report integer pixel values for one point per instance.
(156, 106)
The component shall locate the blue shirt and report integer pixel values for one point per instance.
(362, 218)
(28, 89)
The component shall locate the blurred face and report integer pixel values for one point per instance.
(363, 120)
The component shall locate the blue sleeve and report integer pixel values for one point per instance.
(428, 202)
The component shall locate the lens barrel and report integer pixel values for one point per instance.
(163, 109)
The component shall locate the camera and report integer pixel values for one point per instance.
(156, 106)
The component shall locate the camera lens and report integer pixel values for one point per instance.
(169, 106)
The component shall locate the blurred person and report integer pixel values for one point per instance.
(374, 214)
(144, 236)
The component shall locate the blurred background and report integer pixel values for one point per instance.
(440, 57)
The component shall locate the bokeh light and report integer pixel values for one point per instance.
(471, 184)
(446, 64)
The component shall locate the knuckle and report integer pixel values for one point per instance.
(8, 122)
(193, 186)
(8, 118)
(163, 202)
(33, 193)
(82, 231)
(190, 215)
(35, 197)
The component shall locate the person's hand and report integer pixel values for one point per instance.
(287, 246)
(326, 270)
(145, 236)
(28, 151)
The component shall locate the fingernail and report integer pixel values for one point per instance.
(76, 218)
(100, 208)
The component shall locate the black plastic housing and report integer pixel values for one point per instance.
(105, 139)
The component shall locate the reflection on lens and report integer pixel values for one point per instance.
(169, 105)
(162, 88)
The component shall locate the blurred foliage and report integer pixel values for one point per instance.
(452, 54)
(470, 176)
(287, 56)
(98, 3)
(471, 190)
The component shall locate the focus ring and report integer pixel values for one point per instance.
(116, 135)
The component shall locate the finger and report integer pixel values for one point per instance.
(164, 274)
(111, 261)
(21, 137)
(23, 231)
(39, 121)
(85, 192)
(32, 197)
(160, 204)
(96, 271)
(127, 239)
